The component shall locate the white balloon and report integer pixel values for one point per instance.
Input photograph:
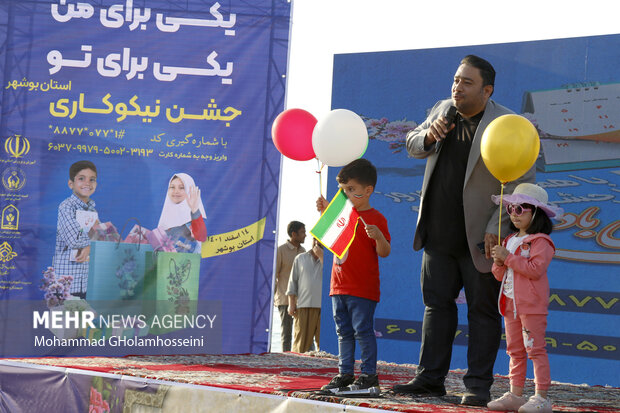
(339, 137)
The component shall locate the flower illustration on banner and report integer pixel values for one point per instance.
(127, 275)
(105, 395)
(177, 293)
(394, 132)
(56, 288)
(97, 404)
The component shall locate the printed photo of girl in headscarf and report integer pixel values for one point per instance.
(183, 215)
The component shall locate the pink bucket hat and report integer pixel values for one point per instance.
(532, 194)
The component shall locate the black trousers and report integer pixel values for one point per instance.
(442, 277)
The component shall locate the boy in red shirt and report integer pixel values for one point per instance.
(354, 284)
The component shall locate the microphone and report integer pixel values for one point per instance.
(353, 391)
(450, 117)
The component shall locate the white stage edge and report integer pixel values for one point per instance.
(190, 398)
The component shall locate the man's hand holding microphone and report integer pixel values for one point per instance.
(440, 128)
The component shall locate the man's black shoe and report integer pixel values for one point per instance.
(473, 398)
(418, 389)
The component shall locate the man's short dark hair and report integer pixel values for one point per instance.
(486, 69)
(79, 166)
(362, 170)
(541, 223)
(294, 226)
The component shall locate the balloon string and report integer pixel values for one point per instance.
(499, 229)
(319, 167)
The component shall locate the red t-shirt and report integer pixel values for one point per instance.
(357, 273)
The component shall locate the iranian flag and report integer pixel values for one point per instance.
(336, 227)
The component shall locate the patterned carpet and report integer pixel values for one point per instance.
(296, 375)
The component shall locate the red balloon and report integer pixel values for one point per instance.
(292, 134)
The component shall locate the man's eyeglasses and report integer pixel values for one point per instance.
(516, 209)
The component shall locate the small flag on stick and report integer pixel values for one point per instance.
(336, 227)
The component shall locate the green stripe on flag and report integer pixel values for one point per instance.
(330, 215)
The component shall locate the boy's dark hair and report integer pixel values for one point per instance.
(81, 165)
(362, 170)
(486, 69)
(540, 223)
(294, 226)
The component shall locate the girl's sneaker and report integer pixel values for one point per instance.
(536, 404)
(509, 402)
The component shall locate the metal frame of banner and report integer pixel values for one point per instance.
(11, 64)
(270, 177)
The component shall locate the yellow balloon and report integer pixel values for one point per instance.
(509, 147)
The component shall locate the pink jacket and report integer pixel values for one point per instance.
(529, 263)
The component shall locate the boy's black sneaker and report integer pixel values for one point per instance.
(340, 380)
(365, 381)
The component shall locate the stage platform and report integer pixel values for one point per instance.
(270, 382)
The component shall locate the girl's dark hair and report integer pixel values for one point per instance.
(540, 223)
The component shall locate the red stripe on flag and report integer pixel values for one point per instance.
(344, 239)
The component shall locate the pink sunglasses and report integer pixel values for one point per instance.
(516, 209)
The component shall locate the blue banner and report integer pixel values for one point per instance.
(157, 95)
(569, 89)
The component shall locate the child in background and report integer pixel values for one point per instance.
(354, 286)
(521, 265)
(72, 242)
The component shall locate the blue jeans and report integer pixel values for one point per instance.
(354, 317)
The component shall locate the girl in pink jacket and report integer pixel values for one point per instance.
(521, 265)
